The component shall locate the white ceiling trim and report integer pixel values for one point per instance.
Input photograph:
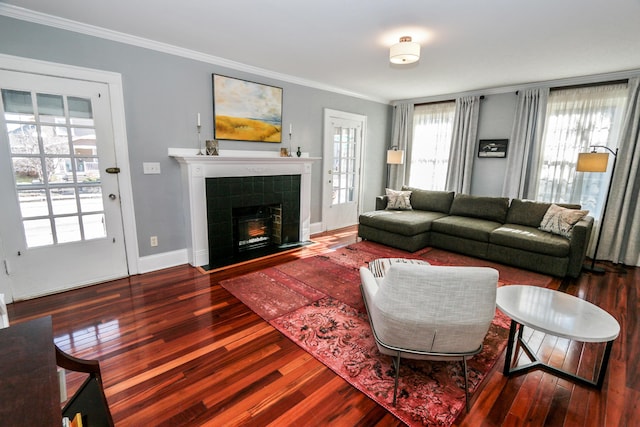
(23, 14)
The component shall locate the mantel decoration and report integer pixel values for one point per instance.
(212, 147)
(246, 111)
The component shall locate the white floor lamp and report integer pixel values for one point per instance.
(597, 162)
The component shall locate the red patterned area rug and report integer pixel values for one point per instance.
(316, 302)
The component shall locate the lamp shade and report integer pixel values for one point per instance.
(592, 162)
(395, 157)
(404, 52)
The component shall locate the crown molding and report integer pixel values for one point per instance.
(28, 15)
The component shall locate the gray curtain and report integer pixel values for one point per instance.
(525, 143)
(463, 144)
(402, 133)
(621, 229)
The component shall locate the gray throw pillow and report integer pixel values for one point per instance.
(398, 200)
(559, 220)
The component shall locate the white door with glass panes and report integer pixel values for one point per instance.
(343, 141)
(61, 222)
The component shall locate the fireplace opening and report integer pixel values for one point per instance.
(256, 227)
(251, 217)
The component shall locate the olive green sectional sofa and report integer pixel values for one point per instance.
(492, 228)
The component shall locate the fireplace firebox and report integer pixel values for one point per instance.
(256, 227)
(251, 216)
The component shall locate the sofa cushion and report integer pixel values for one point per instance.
(398, 200)
(559, 220)
(468, 228)
(489, 208)
(426, 200)
(406, 223)
(530, 239)
(530, 213)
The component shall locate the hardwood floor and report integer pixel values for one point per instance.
(177, 349)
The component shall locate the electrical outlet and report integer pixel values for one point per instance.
(151, 168)
(154, 241)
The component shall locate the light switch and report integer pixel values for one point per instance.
(151, 168)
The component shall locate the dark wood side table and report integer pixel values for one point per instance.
(29, 389)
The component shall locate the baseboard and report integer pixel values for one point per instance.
(315, 228)
(162, 260)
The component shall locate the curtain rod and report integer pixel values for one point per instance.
(440, 102)
(581, 85)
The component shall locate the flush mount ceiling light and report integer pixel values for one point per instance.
(404, 52)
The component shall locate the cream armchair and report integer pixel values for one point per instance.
(430, 313)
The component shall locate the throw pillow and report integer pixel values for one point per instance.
(559, 220)
(398, 200)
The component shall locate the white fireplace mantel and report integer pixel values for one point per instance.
(230, 163)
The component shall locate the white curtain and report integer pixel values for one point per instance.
(402, 130)
(431, 144)
(621, 230)
(577, 119)
(463, 146)
(524, 144)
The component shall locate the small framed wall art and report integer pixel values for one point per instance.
(246, 111)
(496, 148)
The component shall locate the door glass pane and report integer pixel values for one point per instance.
(88, 169)
(54, 139)
(33, 203)
(53, 148)
(23, 138)
(27, 170)
(56, 168)
(91, 199)
(50, 108)
(67, 229)
(63, 201)
(18, 102)
(80, 108)
(94, 226)
(38, 232)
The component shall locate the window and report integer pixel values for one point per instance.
(576, 119)
(432, 133)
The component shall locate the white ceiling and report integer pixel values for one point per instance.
(343, 45)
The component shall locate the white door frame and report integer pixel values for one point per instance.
(328, 114)
(114, 83)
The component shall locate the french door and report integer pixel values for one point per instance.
(61, 222)
(343, 141)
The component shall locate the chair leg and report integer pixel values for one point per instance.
(396, 364)
(466, 382)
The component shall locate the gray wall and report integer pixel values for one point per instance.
(163, 93)
(495, 122)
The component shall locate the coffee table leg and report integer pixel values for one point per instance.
(604, 364)
(510, 345)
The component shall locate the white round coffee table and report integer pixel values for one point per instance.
(558, 314)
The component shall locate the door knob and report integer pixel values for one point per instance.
(112, 196)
